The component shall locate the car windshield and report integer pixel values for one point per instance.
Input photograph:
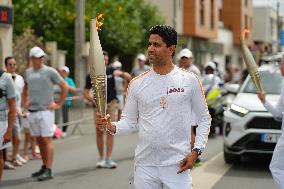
(272, 83)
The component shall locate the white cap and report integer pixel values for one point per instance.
(36, 52)
(117, 64)
(141, 57)
(185, 53)
(65, 68)
(210, 64)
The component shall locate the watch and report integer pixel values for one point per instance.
(197, 150)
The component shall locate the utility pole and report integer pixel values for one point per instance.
(79, 41)
(278, 28)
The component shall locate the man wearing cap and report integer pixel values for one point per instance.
(41, 106)
(64, 70)
(185, 61)
(142, 67)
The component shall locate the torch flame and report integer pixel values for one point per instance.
(99, 21)
(244, 32)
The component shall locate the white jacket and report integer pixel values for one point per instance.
(159, 107)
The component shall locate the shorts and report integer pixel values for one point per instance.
(161, 177)
(112, 110)
(42, 123)
(3, 129)
(17, 128)
(120, 101)
(25, 122)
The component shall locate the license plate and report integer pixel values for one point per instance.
(269, 138)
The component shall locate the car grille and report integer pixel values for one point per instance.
(252, 142)
(264, 123)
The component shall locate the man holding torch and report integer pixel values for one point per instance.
(277, 162)
(158, 106)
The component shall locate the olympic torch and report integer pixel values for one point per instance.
(97, 68)
(250, 63)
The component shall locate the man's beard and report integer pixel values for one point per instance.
(158, 61)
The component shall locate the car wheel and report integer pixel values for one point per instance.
(231, 158)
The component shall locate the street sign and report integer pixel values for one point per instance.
(6, 15)
(281, 38)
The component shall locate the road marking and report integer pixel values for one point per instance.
(208, 174)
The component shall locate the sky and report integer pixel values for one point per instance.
(272, 3)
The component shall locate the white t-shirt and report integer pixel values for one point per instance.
(160, 108)
(19, 86)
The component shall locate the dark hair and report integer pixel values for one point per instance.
(167, 33)
(7, 59)
(105, 53)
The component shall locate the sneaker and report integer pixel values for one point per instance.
(16, 163)
(26, 157)
(64, 134)
(39, 172)
(110, 164)
(37, 150)
(47, 175)
(101, 163)
(21, 159)
(36, 156)
(8, 165)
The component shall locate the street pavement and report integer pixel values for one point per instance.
(76, 156)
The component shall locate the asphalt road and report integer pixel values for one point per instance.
(76, 155)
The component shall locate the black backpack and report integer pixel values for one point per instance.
(2, 93)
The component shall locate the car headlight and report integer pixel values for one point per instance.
(240, 111)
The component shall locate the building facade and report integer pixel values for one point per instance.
(209, 28)
(265, 29)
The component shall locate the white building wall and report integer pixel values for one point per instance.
(265, 25)
(172, 11)
(6, 36)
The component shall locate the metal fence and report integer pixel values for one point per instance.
(77, 115)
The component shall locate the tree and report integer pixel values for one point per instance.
(124, 31)
(126, 23)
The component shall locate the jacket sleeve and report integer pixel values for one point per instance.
(129, 117)
(278, 108)
(203, 117)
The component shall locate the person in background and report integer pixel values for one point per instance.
(71, 91)
(11, 64)
(142, 67)
(41, 105)
(185, 61)
(120, 86)
(112, 109)
(8, 113)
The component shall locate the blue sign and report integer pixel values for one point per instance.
(281, 37)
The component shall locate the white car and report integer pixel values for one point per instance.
(248, 127)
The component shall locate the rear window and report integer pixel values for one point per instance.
(272, 83)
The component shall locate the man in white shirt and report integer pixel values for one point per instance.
(277, 161)
(185, 61)
(158, 105)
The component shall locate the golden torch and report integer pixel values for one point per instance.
(97, 67)
(250, 63)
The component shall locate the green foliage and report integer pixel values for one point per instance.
(126, 23)
(124, 31)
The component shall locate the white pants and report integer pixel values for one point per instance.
(277, 163)
(42, 123)
(163, 177)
